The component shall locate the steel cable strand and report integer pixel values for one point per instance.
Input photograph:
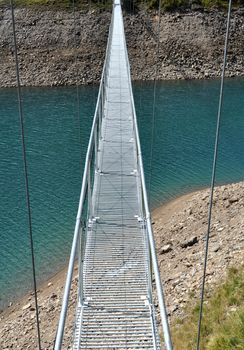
(27, 192)
(154, 104)
(142, 54)
(142, 58)
(213, 175)
(77, 82)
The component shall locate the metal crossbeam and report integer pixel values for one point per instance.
(115, 304)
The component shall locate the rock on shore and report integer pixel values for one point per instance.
(18, 328)
(179, 229)
(191, 45)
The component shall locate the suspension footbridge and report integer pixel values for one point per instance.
(115, 308)
(113, 237)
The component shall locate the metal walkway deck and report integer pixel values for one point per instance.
(115, 308)
(118, 313)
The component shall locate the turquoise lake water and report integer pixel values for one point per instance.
(56, 141)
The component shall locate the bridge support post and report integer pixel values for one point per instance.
(80, 265)
(95, 148)
(89, 188)
(100, 119)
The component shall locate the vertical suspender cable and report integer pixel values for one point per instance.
(142, 58)
(142, 52)
(25, 172)
(154, 102)
(213, 174)
(77, 83)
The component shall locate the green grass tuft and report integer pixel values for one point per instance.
(223, 318)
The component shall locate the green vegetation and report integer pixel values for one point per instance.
(223, 318)
(129, 5)
(82, 4)
(171, 5)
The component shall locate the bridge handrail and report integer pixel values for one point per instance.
(161, 301)
(83, 193)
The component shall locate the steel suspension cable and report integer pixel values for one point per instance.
(27, 192)
(142, 52)
(142, 58)
(213, 174)
(77, 83)
(154, 102)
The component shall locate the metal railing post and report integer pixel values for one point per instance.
(102, 97)
(100, 119)
(89, 187)
(80, 267)
(95, 148)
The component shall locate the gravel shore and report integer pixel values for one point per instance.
(179, 229)
(191, 45)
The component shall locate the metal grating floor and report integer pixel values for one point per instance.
(117, 313)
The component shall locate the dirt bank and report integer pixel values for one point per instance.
(191, 45)
(180, 230)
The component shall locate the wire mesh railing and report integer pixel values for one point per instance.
(148, 224)
(84, 210)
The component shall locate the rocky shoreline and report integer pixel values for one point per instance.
(179, 230)
(191, 45)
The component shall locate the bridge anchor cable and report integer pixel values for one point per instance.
(216, 146)
(27, 192)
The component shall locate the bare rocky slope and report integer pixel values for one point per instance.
(179, 229)
(191, 45)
